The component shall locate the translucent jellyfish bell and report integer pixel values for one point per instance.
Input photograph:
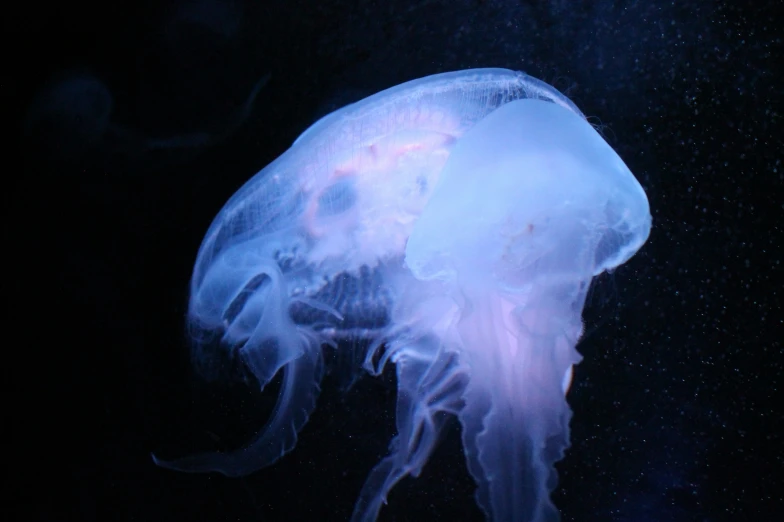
(454, 222)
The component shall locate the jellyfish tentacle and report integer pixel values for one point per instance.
(430, 384)
(296, 401)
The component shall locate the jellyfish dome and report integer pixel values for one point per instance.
(454, 223)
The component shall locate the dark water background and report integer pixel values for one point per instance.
(130, 124)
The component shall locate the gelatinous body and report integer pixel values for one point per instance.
(455, 222)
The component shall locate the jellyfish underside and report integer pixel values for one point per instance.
(457, 228)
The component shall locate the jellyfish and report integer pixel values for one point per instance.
(455, 223)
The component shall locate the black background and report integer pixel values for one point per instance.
(678, 413)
